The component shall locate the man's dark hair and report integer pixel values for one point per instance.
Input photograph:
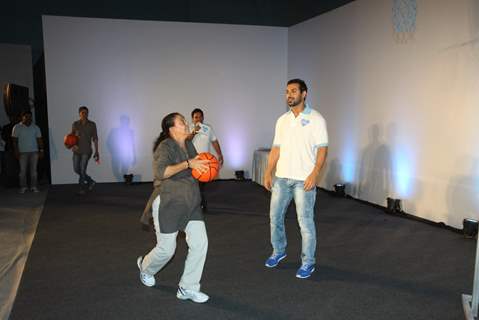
(301, 83)
(197, 110)
(82, 108)
(24, 113)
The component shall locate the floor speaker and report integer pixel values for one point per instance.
(15, 99)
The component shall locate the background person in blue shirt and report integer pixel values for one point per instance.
(28, 147)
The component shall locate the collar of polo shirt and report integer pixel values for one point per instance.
(306, 111)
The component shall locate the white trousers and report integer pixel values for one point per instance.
(164, 250)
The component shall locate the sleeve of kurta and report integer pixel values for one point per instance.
(191, 149)
(94, 135)
(162, 160)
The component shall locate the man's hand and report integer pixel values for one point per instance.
(220, 159)
(96, 156)
(268, 181)
(75, 148)
(310, 182)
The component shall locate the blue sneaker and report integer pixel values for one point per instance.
(305, 271)
(274, 260)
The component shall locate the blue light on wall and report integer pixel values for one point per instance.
(121, 145)
(348, 168)
(403, 172)
(235, 146)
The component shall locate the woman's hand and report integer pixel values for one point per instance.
(198, 164)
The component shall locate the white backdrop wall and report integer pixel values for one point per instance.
(15, 67)
(402, 116)
(132, 73)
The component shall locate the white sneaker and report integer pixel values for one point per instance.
(22, 190)
(146, 279)
(34, 189)
(195, 296)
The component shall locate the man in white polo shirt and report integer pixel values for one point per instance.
(28, 146)
(203, 137)
(298, 153)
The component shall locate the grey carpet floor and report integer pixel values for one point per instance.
(370, 265)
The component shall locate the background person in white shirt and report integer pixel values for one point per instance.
(299, 150)
(28, 147)
(203, 137)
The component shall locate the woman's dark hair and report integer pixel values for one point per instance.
(167, 122)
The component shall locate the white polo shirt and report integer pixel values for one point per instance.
(299, 139)
(202, 140)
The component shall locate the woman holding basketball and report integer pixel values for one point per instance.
(175, 206)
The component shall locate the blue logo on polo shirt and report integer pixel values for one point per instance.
(205, 129)
(304, 122)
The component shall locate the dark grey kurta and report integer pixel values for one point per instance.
(180, 198)
(86, 134)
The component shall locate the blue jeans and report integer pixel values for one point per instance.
(80, 163)
(281, 194)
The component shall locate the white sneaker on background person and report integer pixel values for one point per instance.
(34, 189)
(22, 190)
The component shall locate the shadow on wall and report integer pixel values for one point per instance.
(121, 145)
(53, 146)
(374, 178)
(474, 29)
(462, 191)
(334, 174)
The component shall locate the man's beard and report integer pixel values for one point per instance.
(293, 103)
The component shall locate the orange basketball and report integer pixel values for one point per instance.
(70, 140)
(211, 173)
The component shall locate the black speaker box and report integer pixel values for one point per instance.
(15, 99)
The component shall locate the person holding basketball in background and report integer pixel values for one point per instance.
(86, 132)
(203, 137)
(175, 206)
